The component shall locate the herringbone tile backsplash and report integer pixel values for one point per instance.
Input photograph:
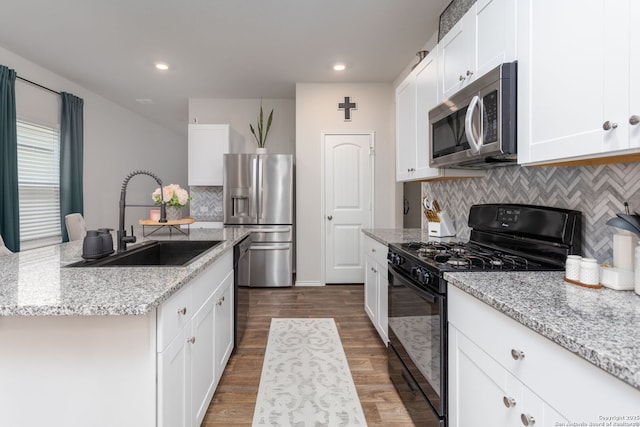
(599, 192)
(206, 203)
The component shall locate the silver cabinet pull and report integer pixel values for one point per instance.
(461, 78)
(609, 125)
(509, 402)
(373, 249)
(469, 73)
(634, 120)
(411, 169)
(220, 301)
(191, 340)
(374, 270)
(527, 419)
(517, 354)
(329, 217)
(182, 310)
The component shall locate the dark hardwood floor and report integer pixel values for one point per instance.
(234, 400)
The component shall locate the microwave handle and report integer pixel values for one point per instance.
(474, 143)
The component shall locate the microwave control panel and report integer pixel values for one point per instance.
(490, 105)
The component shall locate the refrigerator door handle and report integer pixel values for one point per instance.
(255, 178)
(260, 189)
(270, 230)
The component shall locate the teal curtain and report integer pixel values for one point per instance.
(71, 142)
(9, 210)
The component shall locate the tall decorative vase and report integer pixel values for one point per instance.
(261, 150)
(174, 213)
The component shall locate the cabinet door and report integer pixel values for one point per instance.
(570, 83)
(207, 145)
(223, 324)
(406, 129)
(370, 288)
(202, 361)
(427, 98)
(382, 285)
(495, 34)
(174, 386)
(478, 387)
(531, 408)
(457, 55)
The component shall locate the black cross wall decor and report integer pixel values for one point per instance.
(347, 106)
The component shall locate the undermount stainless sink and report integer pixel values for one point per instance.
(155, 253)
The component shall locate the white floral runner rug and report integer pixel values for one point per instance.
(306, 381)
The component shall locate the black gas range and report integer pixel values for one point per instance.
(504, 237)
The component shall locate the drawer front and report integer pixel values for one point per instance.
(173, 315)
(206, 283)
(586, 391)
(375, 249)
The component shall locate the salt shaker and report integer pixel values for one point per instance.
(589, 271)
(572, 265)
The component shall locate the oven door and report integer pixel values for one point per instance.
(418, 337)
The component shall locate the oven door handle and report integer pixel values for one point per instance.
(431, 298)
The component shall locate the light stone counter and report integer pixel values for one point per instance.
(600, 325)
(36, 283)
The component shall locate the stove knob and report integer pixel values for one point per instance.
(416, 273)
(426, 277)
(398, 260)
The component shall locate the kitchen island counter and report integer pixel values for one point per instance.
(600, 325)
(37, 283)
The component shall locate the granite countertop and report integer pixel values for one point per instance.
(36, 283)
(397, 235)
(600, 325)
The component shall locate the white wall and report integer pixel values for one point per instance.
(317, 111)
(239, 113)
(116, 142)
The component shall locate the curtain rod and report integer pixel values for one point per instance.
(39, 85)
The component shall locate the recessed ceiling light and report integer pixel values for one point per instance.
(339, 67)
(162, 66)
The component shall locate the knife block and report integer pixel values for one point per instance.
(441, 228)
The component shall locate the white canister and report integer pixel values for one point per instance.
(637, 270)
(624, 244)
(589, 272)
(572, 267)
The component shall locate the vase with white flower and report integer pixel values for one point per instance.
(175, 198)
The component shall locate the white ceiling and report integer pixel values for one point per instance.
(215, 48)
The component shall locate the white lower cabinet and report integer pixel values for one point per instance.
(191, 364)
(502, 373)
(376, 285)
(484, 393)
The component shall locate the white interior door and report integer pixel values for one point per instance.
(348, 189)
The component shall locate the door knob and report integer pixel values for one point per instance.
(608, 125)
(634, 120)
(329, 217)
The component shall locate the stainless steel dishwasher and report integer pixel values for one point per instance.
(241, 265)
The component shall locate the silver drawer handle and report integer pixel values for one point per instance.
(509, 402)
(517, 354)
(527, 419)
(182, 310)
(191, 340)
(609, 125)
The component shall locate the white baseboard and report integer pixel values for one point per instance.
(299, 283)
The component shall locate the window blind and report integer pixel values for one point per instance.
(38, 185)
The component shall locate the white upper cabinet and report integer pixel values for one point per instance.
(406, 129)
(482, 39)
(457, 55)
(207, 145)
(415, 96)
(576, 97)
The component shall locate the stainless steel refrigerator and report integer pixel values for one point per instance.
(258, 194)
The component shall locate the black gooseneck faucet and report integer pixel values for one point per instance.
(123, 239)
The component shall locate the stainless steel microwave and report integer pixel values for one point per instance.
(476, 127)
